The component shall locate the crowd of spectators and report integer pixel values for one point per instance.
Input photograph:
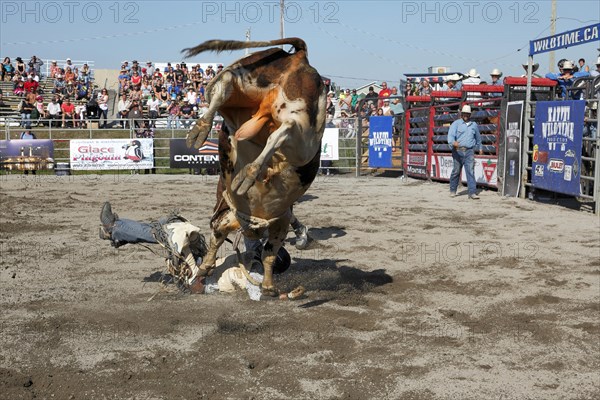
(177, 92)
(65, 101)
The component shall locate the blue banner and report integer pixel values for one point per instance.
(566, 39)
(380, 142)
(557, 140)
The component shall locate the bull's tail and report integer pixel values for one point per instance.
(223, 45)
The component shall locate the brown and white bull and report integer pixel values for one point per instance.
(273, 103)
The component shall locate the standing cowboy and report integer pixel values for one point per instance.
(464, 137)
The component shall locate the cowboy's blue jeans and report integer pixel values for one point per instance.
(463, 158)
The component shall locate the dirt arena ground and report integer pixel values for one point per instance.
(410, 295)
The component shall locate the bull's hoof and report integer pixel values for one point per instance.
(198, 134)
(244, 180)
(269, 292)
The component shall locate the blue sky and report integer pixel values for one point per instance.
(354, 42)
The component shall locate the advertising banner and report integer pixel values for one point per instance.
(330, 144)
(110, 154)
(512, 148)
(26, 154)
(557, 139)
(380, 142)
(182, 156)
(486, 172)
(563, 40)
(417, 164)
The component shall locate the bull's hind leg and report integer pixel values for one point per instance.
(277, 233)
(220, 90)
(224, 225)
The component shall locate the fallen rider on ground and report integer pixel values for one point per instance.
(186, 246)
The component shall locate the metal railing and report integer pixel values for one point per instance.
(163, 133)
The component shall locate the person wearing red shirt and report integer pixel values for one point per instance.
(30, 86)
(384, 92)
(68, 111)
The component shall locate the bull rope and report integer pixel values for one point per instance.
(248, 222)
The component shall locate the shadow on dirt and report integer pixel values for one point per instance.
(327, 232)
(327, 276)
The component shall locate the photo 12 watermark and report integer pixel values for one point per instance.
(454, 12)
(254, 12)
(54, 12)
(468, 252)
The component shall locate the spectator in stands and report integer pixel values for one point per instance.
(385, 91)
(169, 77)
(68, 112)
(396, 103)
(54, 69)
(146, 90)
(354, 98)
(30, 85)
(136, 79)
(80, 114)
(191, 96)
(345, 102)
(387, 110)
(379, 112)
(163, 97)
(174, 112)
(136, 114)
(69, 64)
(195, 77)
(202, 105)
(123, 80)
(54, 110)
(202, 89)
(496, 74)
(135, 94)
(153, 110)
(82, 91)
(69, 75)
(371, 94)
(582, 66)
(566, 78)
(103, 106)
(188, 114)
(157, 74)
(70, 90)
(7, 69)
(39, 107)
(19, 89)
(26, 109)
(424, 87)
(59, 85)
(472, 78)
(596, 72)
(35, 64)
(464, 138)
(330, 105)
(20, 67)
(123, 109)
(85, 73)
(209, 73)
(219, 68)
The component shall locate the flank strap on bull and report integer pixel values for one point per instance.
(249, 222)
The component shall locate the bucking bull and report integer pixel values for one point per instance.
(273, 106)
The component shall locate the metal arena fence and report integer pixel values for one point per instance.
(163, 132)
